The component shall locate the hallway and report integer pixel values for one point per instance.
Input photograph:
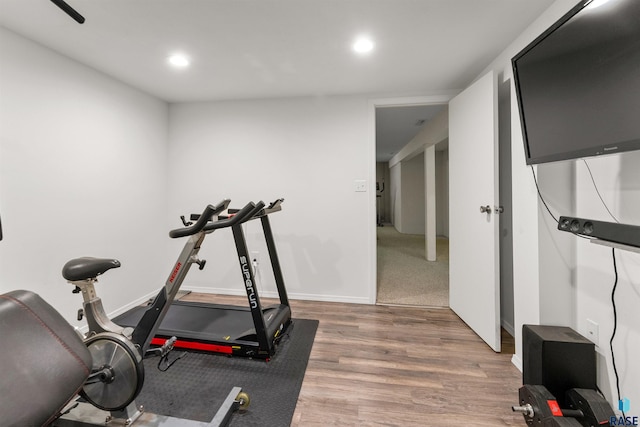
(405, 277)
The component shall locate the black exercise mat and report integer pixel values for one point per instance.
(197, 384)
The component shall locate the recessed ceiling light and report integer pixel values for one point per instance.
(363, 45)
(179, 61)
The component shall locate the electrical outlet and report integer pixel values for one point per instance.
(255, 258)
(592, 332)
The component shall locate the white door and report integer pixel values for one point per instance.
(474, 274)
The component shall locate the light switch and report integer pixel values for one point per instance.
(360, 185)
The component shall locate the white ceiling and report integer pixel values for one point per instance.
(243, 49)
(396, 126)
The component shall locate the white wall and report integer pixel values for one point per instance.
(413, 196)
(618, 180)
(433, 132)
(82, 173)
(583, 274)
(407, 213)
(395, 193)
(308, 151)
(556, 250)
(442, 193)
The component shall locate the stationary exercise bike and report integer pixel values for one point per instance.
(379, 206)
(118, 373)
(111, 375)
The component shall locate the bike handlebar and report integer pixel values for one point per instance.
(206, 215)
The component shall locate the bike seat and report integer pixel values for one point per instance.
(87, 268)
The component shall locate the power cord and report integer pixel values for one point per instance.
(533, 172)
(598, 191)
(547, 206)
(615, 270)
(535, 180)
(613, 292)
(615, 324)
(256, 274)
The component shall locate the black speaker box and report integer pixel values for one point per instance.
(558, 358)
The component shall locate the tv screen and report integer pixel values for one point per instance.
(578, 83)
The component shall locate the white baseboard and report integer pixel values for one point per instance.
(517, 362)
(330, 298)
(132, 304)
(124, 308)
(509, 328)
(274, 294)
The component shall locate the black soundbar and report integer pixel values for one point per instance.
(610, 231)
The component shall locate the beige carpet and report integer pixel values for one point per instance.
(405, 277)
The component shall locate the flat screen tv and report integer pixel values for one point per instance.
(578, 83)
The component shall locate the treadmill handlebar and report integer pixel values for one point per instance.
(274, 206)
(243, 213)
(255, 211)
(205, 217)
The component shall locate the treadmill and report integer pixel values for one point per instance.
(250, 331)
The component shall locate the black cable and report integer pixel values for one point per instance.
(597, 191)
(164, 364)
(615, 270)
(69, 11)
(613, 292)
(540, 195)
(615, 324)
(285, 335)
(546, 206)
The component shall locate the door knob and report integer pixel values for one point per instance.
(499, 209)
(485, 209)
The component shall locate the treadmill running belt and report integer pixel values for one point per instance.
(226, 325)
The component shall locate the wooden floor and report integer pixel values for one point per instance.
(400, 366)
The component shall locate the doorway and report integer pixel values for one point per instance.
(408, 175)
(506, 218)
(505, 160)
